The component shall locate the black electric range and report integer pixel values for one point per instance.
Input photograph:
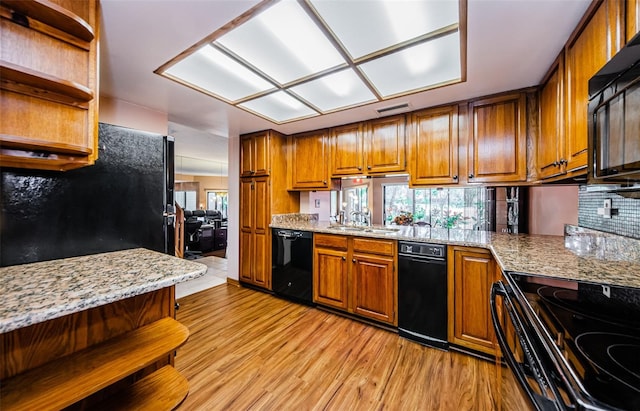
(575, 344)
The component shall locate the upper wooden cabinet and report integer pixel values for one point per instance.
(551, 160)
(433, 146)
(591, 46)
(373, 147)
(347, 150)
(471, 273)
(633, 18)
(48, 92)
(498, 140)
(385, 145)
(309, 161)
(255, 154)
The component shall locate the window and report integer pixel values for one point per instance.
(218, 200)
(186, 200)
(464, 208)
(354, 199)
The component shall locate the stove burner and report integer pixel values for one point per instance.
(570, 300)
(617, 355)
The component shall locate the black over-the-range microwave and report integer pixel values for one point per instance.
(614, 118)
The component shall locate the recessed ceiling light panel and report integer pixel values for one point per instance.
(279, 107)
(420, 67)
(211, 71)
(284, 43)
(365, 27)
(335, 91)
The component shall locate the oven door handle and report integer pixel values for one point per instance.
(541, 402)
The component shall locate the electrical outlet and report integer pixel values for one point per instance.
(605, 211)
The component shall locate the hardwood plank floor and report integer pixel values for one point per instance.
(249, 350)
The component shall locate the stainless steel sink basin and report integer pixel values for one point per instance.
(381, 230)
(345, 228)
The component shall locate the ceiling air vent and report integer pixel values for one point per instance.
(390, 109)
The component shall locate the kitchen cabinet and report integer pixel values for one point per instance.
(433, 146)
(260, 197)
(632, 18)
(591, 46)
(347, 150)
(357, 275)
(373, 147)
(309, 163)
(497, 150)
(49, 84)
(255, 154)
(471, 272)
(550, 160)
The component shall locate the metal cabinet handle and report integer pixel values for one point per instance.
(556, 164)
(359, 168)
(368, 167)
(344, 258)
(324, 181)
(353, 261)
(471, 175)
(455, 177)
(563, 161)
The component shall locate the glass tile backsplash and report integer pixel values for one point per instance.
(625, 219)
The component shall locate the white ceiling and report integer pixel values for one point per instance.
(511, 44)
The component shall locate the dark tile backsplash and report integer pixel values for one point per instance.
(626, 218)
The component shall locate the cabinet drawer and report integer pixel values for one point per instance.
(331, 241)
(369, 245)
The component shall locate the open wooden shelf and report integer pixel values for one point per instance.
(54, 16)
(163, 390)
(67, 380)
(41, 85)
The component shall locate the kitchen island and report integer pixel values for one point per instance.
(75, 331)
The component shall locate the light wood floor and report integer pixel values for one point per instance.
(251, 351)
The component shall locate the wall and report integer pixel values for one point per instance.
(122, 113)
(308, 204)
(551, 207)
(626, 222)
(233, 230)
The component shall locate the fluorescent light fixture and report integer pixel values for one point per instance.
(279, 106)
(335, 91)
(288, 60)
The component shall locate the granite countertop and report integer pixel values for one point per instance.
(37, 292)
(584, 255)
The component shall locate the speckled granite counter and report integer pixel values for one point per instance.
(33, 293)
(584, 255)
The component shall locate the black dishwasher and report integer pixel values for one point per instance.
(422, 293)
(292, 264)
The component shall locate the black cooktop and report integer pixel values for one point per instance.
(597, 329)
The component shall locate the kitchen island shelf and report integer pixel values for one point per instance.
(69, 379)
(53, 15)
(33, 83)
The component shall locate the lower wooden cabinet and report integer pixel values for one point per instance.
(357, 275)
(471, 273)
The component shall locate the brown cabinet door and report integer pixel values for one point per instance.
(261, 259)
(471, 274)
(550, 144)
(433, 147)
(261, 154)
(246, 156)
(374, 287)
(498, 141)
(585, 55)
(247, 188)
(260, 205)
(246, 253)
(347, 155)
(385, 145)
(633, 18)
(310, 160)
(330, 277)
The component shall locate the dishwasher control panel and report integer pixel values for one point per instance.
(423, 249)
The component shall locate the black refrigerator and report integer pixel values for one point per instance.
(124, 201)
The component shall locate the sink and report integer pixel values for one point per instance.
(345, 228)
(381, 230)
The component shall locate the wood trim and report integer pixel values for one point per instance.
(233, 281)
